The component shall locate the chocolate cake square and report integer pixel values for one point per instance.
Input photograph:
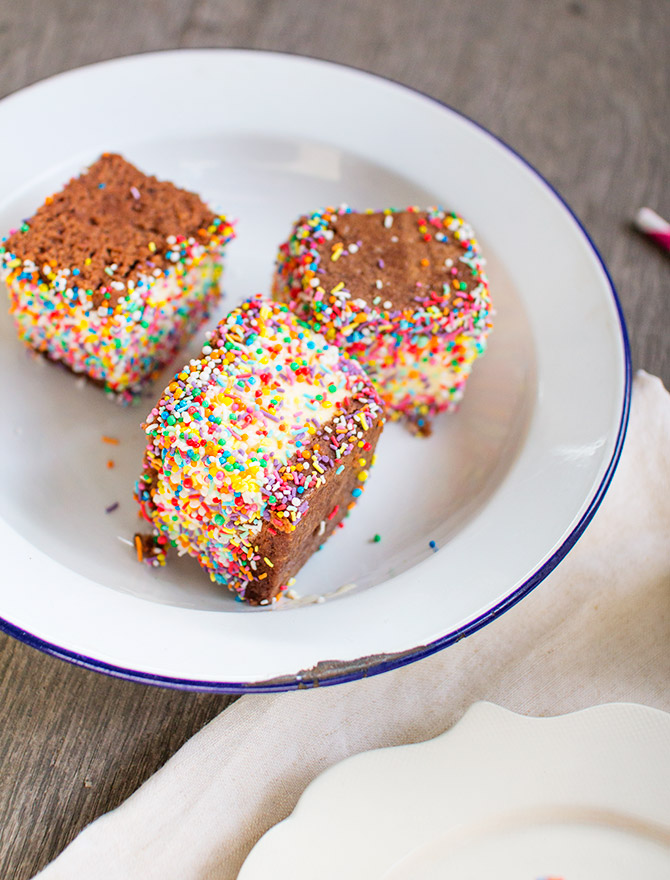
(259, 449)
(403, 292)
(114, 273)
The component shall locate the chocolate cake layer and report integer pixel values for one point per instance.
(394, 260)
(329, 504)
(255, 445)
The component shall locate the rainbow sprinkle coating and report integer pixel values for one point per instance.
(243, 438)
(418, 343)
(121, 331)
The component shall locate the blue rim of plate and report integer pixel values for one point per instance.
(358, 668)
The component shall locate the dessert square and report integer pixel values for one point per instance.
(114, 273)
(403, 292)
(259, 449)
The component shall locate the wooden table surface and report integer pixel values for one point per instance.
(579, 87)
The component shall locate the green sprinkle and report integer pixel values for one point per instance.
(377, 539)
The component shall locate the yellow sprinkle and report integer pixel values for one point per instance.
(152, 247)
(267, 561)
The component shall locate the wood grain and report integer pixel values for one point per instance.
(581, 89)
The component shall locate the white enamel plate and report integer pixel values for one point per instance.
(579, 797)
(502, 489)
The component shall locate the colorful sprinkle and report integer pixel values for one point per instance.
(419, 355)
(121, 325)
(150, 549)
(243, 437)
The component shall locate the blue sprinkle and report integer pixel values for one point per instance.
(357, 492)
(433, 546)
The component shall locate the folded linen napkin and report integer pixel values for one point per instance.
(596, 630)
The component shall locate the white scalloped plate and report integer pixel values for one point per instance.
(579, 797)
(505, 486)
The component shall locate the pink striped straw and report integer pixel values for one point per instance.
(655, 227)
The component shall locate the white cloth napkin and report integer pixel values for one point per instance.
(597, 630)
